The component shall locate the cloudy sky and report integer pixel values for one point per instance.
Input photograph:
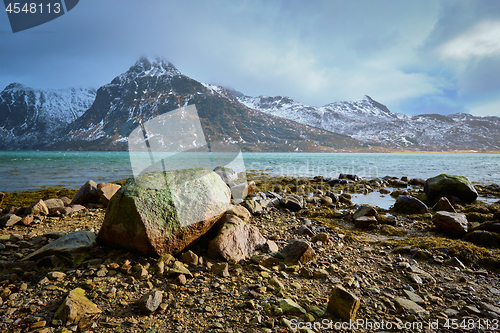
(415, 56)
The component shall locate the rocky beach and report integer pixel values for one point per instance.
(271, 254)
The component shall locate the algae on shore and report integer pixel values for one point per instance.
(26, 198)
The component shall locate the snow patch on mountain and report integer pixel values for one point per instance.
(39, 115)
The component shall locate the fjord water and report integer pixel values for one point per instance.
(21, 170)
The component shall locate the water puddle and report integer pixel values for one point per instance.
(489, 200)
(384, 201)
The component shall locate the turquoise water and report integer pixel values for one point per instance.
(22, 170)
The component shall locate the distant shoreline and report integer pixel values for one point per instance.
(373, 150)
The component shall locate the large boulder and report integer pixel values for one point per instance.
(158, 213)
(86, 194)
(449, 185)
(406, 204)
(453, 224)
(236, 241)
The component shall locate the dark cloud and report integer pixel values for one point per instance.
(315, 52)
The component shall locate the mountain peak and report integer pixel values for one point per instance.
(154, 66)
(17, 86)
(149, 67)
(364, 98)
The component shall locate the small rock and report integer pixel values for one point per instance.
(333, 196)
(453, 224)
(56, 276)
(414, 297)
(444, 205)
(77, 208)
(70, 247)
(38, 208)
(343, 304)
(253, 206)
(326, 200)
(106, 192)
(221, 269)
(406, 204)
(241, 191)
(270, 247)
(77, 309)
(415, 278)
(292, 202)
(150, 302)
(227, 175)
(288, 305)
(179, 268)
(349, 177)
(455, 262)
(190, 257)
(298, 251)
(240, 212)
(408, 305)
(9, 220)
(66, 201)
(27, 220)
(180, 280)
(491, 227)
(364, 210)
(303, 230)
(275, 282)
(306, 273)
(54, 205)
(365, 221)
(236, 240)
(321, 237)
(86, 194)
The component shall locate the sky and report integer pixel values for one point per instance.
(414, 56)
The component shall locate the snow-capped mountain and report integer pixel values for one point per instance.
(152, 87)
(32, 117)
(373, 123)
(83, 119)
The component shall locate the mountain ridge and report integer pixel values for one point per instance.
(102, 119)
(154, 87)
(374, 124)
(32, 117)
